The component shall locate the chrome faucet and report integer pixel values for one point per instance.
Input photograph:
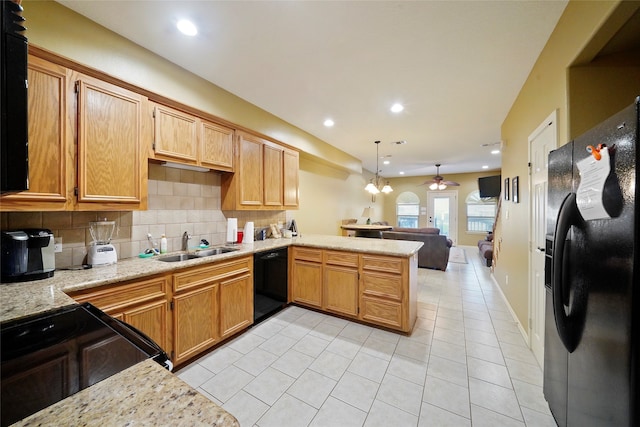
(185, 241)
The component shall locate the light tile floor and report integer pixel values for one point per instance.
(465, 364)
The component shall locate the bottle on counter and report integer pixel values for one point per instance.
(163, 244)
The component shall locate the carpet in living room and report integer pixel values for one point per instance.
(457, 255)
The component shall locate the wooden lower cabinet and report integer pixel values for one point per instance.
(376, 289)
(152, 318)
(307, 283)
(341, 283)
(210, 303)
(382, 312)
(306, 276)
(388, 291)
(141, 303)
(195, 322)
(186, 312)
(236, 296)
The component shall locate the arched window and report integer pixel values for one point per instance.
(407, 209)
(481, 213)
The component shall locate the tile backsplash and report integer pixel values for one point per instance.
(179, 201)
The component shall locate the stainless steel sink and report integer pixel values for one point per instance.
(214, 251)
(176, 258)
(197, 254)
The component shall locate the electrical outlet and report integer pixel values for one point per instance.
(58, 244)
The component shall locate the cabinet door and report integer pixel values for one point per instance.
(49, 161)
(216, 146)
(195, 322)
(341, 290)
(290, 184)
(306, 283)
(382, 312)
(273, 175)
(250, 179)
(110, 131)
(236, 305)
(151, 319)
(175, 135)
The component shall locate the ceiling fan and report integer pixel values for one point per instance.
(438, 182)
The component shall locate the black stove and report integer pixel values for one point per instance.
(52, 355)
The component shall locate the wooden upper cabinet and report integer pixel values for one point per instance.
(111, 166)
(216, 146)
(50, 171)
(290, 179)
(184, 138)
(262, 180)
(273, 178)
(244, 187)
(175, 135)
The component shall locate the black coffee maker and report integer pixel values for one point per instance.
(27, 255)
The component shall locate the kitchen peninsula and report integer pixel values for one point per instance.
(373, 258)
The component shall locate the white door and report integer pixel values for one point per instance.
(442, 212)
(541, 141)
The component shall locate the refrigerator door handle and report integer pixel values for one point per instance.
(567, 217)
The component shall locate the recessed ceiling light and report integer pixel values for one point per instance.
(485, 167)
(495, 151)
(187, 27)
(401, 173)
(397, 107)
(328, 123)
(386, 162)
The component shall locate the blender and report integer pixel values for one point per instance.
(101, 251)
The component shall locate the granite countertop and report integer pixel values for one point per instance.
(24, 299)
(144, 394)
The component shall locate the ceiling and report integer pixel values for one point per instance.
(456, 66)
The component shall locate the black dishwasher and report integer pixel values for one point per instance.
(270, 275)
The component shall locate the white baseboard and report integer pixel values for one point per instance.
(522, 330)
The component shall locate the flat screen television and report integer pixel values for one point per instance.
(489, 186)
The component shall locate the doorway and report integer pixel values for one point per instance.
(541, 141)
(442, 212)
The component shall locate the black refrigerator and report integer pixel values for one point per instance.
(592, 307)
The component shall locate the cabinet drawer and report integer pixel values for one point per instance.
(382, 312)
(382, 285)
(115, 298)
(213, 272)
(347, 259)
(382, 263)
(307, 254)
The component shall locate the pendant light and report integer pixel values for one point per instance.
(373, 186)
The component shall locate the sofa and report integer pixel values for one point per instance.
(435, 251)
(485, 246)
